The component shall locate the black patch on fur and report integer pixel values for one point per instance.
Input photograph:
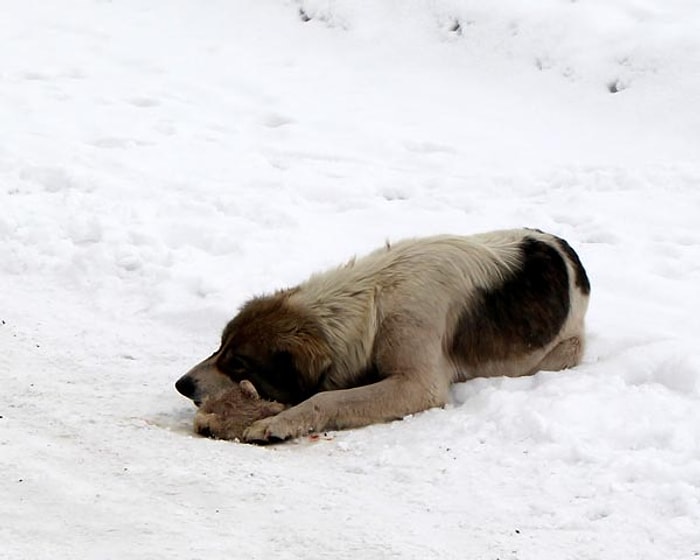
(524, 313)
(582, 281)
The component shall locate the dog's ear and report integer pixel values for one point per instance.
(249, 390)
(289, 343)
(307, 352)
(312, 357)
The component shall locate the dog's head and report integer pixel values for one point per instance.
(281, 348)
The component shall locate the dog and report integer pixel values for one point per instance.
(384, 336)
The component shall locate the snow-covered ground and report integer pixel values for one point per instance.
(163, 161)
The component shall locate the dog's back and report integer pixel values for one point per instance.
(489, 297)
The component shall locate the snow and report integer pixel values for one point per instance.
(162, 162)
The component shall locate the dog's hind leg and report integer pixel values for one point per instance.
(566, 354)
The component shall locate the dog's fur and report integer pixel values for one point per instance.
(228, 414)
(384, 336)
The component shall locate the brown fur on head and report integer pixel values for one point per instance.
(280, 347)
(228, 414)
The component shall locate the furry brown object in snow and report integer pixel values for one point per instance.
(228, 414)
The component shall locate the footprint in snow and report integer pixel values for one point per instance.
(36, 76)
(275, 120)
(427, 147)
(52, 179)
(110, 142)
(144, 102)
(115, 142)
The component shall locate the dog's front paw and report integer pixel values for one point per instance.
(273, 429)
(209, 425)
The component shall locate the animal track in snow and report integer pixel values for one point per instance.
(52, 179)
(276, 120)
(144, 102)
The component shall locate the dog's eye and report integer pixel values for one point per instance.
(239, 364)
(232, 363)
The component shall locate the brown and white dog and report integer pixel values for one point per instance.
(385, 335)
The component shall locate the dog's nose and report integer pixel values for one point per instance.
(185, 386)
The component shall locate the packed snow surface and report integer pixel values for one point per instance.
(163, 161)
